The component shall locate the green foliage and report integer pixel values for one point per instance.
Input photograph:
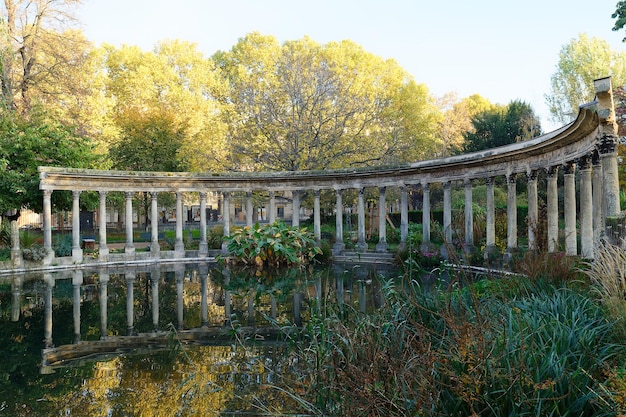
(62, 245)
(272, 245)
(620, 15)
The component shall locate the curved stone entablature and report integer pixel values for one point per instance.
(568, 143)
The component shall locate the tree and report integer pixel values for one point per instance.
(502, 125)
(620, 15)
(580, 62)
(304, 106)
(27, 144)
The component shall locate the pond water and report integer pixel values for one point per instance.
(164, 339)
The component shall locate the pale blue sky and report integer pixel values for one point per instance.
(501, 49)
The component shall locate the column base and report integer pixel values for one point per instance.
(129, 249)
(77, 255)
(338, 248)
(103, 254)
(203, 249)
(16, 258)
(381, 246)
(225, 250)
(155, 250)
(361, 247)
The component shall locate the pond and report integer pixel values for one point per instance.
(163, 339)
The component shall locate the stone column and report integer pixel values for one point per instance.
(47, 321)
(317, 223)
(426, 215)
(226, 220)
(490, 244)
(203, 248)
(249, 209)
(130, 297)
(469, 217)
(179, 245)
(553, 208)
(77, 281)
(77, 252)
(103, 249)
(598, 198)
(586, 208)
(47, 226)
(608, 146)
(103, 282)
(16, 252)
(511, 213)
(155, 248)
(381, 246)
(361, 245)
(533, 209)
(271, 215)
(295, 217)
(404, 216)
(339, 246)
(447, 211)
(569, 201)
(129, 248)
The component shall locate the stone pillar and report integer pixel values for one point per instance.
(404, 216)
(381, 246)
(203, 248)
(47, 226)
(569, 201)
(511, 213)
(295, 217)
(16, 252)
(598, 198)
(533, 209)
(361, 245)
(553, 208)
(130, 297)
(155, 276)
(490, 244)
(447, 212)
(339, 246)
(103, 249)
(129, 248)
(47, 321)
(77, 252)
(271, 215)
(426, 215)
(179, 245)
(249, 209)
(103, 282)
(77, 281)
(155, 248)
(226, 219)
(608, 146)
(317, 223)
(586, 208)
(469, 217)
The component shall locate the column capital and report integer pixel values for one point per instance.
(584, 162)
(317, 192)
(467, 182)
(154, 195)
(531, 175)
(128, 194)
(552, 171)
(202, 195)
(595, 158)
(511, 178)
(569, 167)
(103, 193)
(489, 181)
(76, 193)
(607, 144)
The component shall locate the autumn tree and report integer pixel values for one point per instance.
(580, 62)
(305, 106)
(502, 125)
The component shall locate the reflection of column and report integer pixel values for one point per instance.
(569, 209)
(295, 217)
(129, 248)
(533, 209)
(339, 246)
(469, 215)
(447, 211)
(426, 213)
(297, 316)
(77, 252)
(251, 309)
(155, 276)
(47, 323)
(47, 224)
(226, 219)
(404, 215)
(491, 217)
(598, 199)
(130, 298)
(273, 306)
(179, 246)
(553, 208)
(586, 208)
(338, 273)
(103, 249)
(16, 296)
(77, 281)
(511, 212)
(317, 228)
(103, 279)
(203, 248)
(227, 312)
(180, 278)
(271, 211)
(362, 296)
(155, 249)
(204, 305)
(361, 245)
(249, 209)
(381, 246)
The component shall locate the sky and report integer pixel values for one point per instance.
(503, 50)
